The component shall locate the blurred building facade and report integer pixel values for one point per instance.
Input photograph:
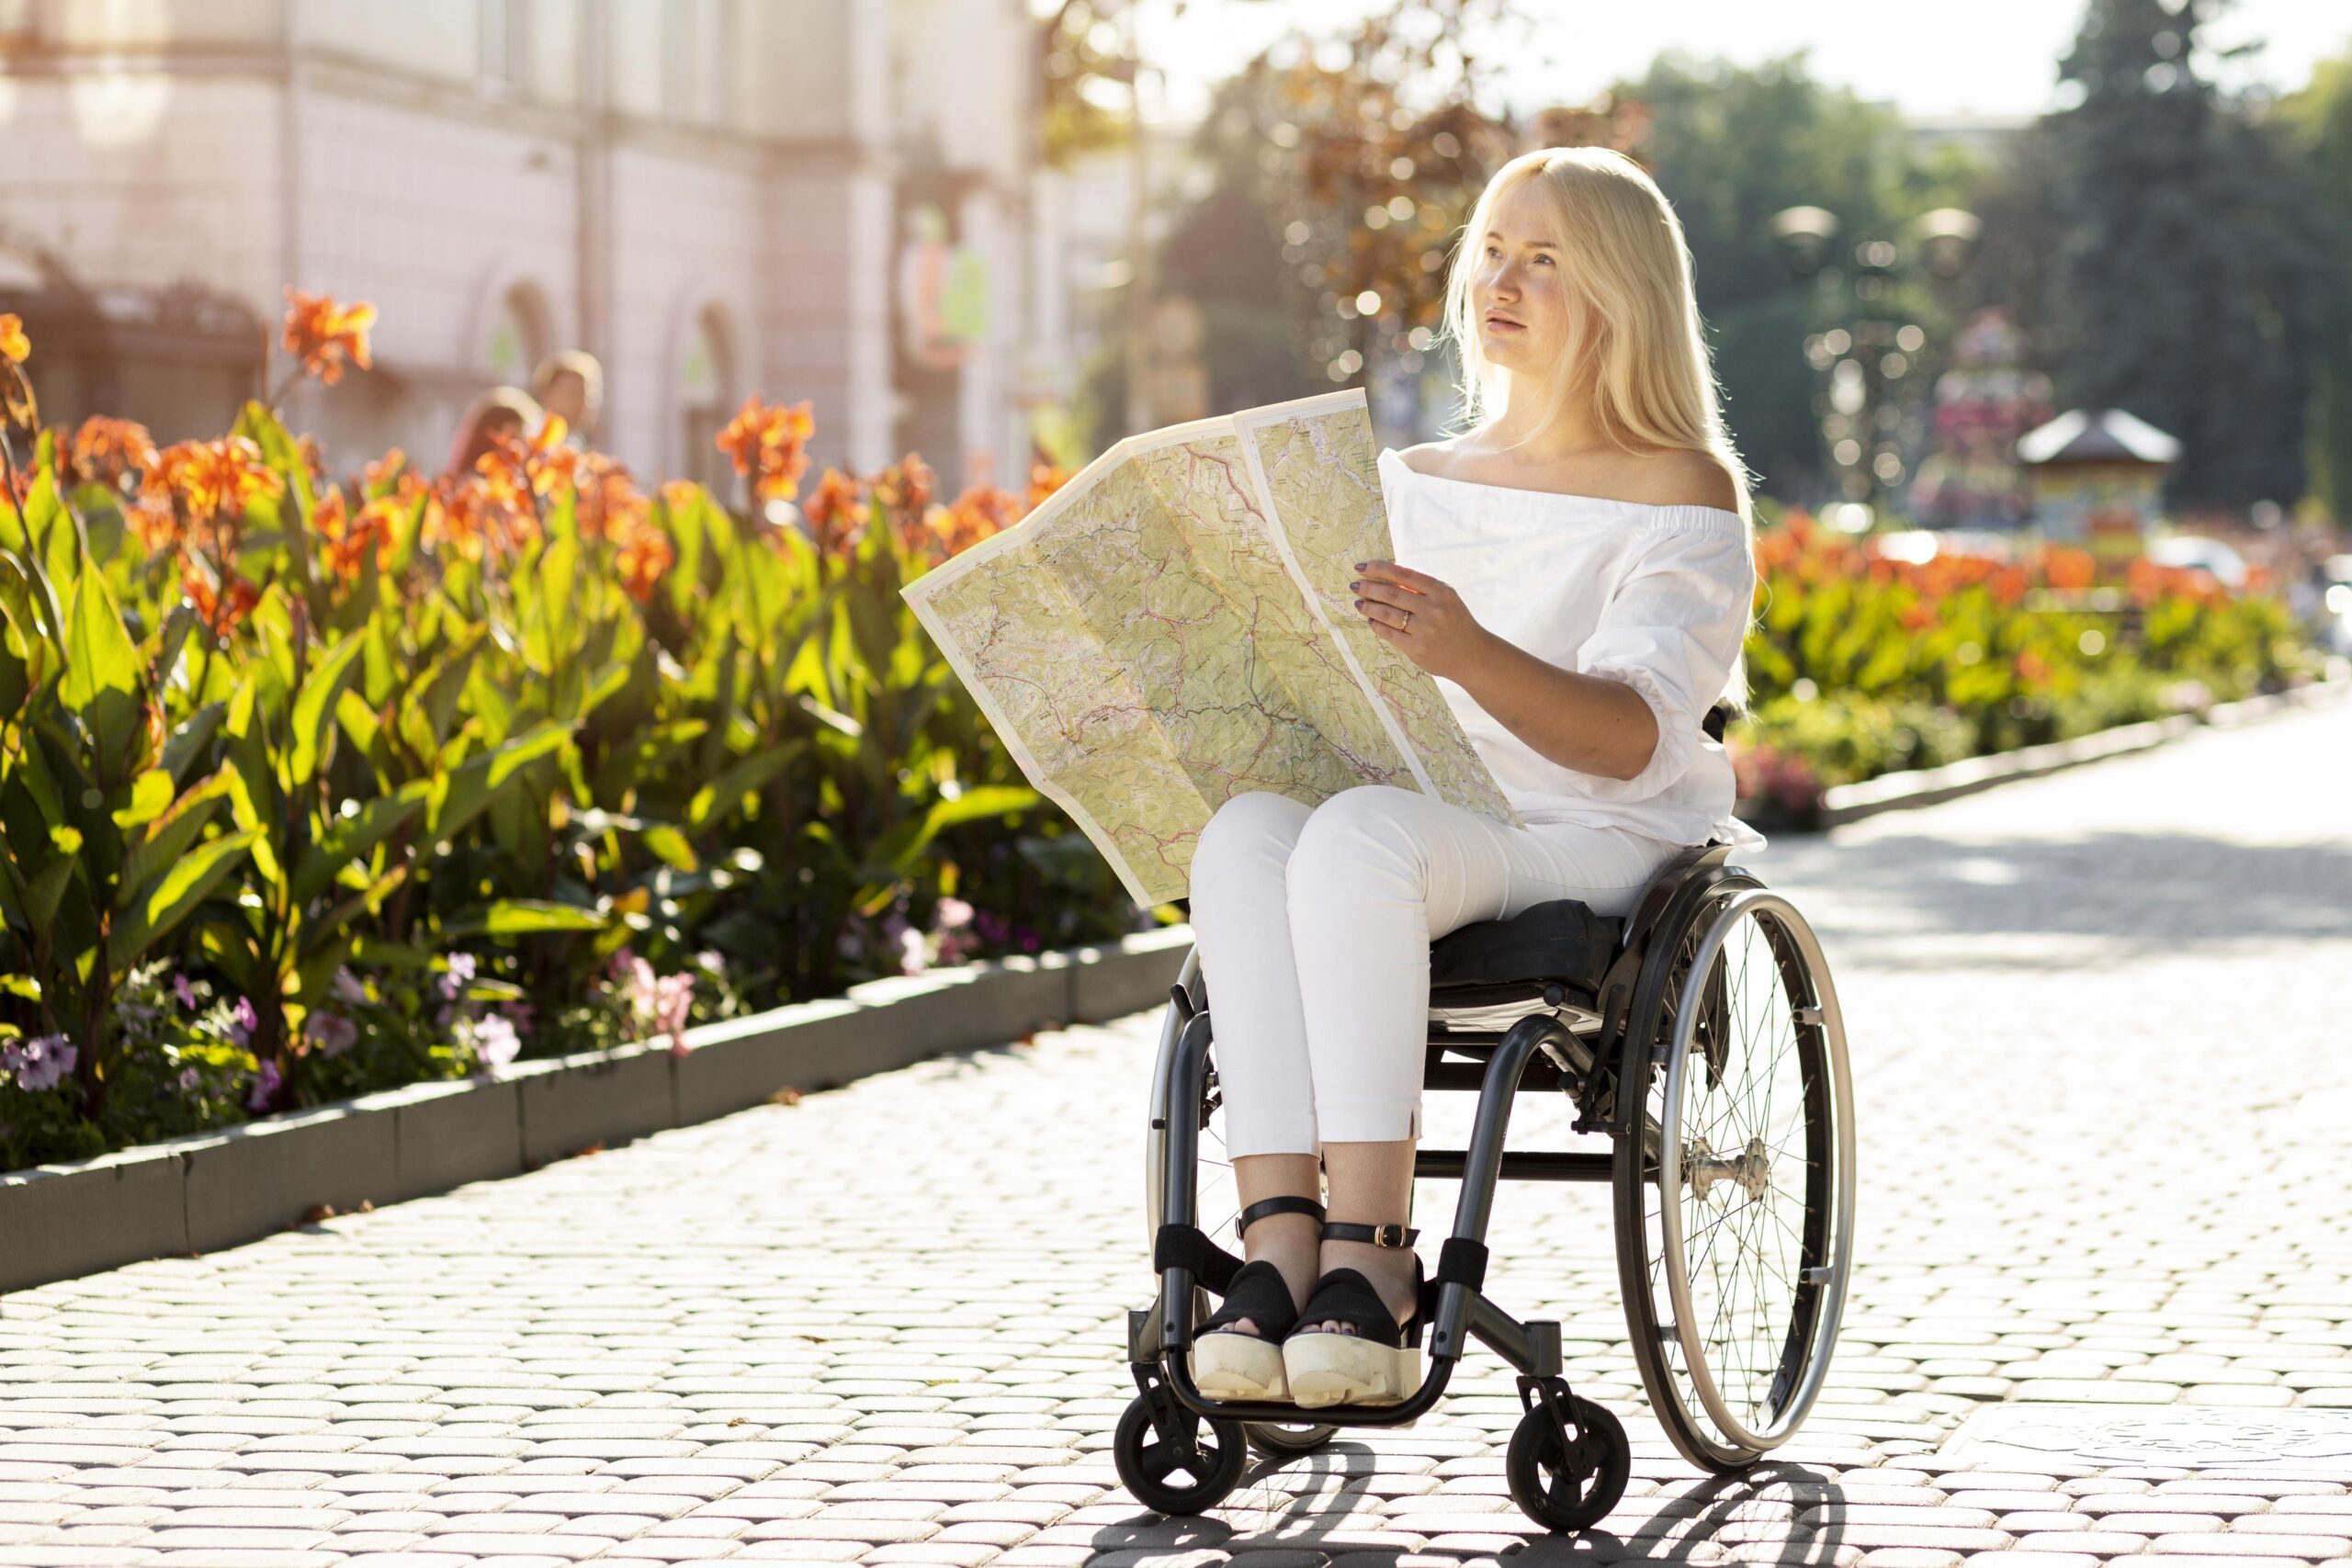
(828, 199)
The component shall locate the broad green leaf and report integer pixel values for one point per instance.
(523, 917)
(719, 798)
(47, 891)
(314, 706)
(169, 835)
(349, 839)
(464, 791)
(190, 740)
(167, 900)
(672, 846)
(101, 683)
(150, 793)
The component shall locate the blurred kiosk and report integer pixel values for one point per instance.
(2097, 476)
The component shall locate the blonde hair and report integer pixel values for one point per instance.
(1635, 348)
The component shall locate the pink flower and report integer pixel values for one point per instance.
(37, 1063)
(494, 1041)
(266, 1084)
(185, 992)
(332, 1034)
(953, 913)
(460, 974)
(190, 1079)
(244, 1021)
(347, 986)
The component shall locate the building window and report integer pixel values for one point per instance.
(724, 65)
(505, 44)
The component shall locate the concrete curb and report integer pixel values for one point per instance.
(213, 1190)
(1925, 786)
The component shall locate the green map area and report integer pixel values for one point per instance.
(1173, 627)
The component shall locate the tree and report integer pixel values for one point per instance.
(1731, 145)
(2198, 272)
(2321, 118)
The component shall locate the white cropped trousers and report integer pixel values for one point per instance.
(1313, 927)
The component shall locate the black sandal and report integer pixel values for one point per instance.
(1229, 1364)
(1380, 1363)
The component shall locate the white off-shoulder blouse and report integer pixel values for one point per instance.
(1656, 597)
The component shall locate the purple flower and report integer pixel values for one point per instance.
(347, 986)
(266, 1084)
(990, 927)
(185, 991)
(710, 961)
(332, 1034)
(41, 1063)
(244, 1021)
(190, 1079)
(1026, 938)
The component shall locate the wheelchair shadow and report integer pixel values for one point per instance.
(1890, 902)
(1671, 1522)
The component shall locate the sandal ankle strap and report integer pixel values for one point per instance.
(1285, 1205)
(1379, 1236)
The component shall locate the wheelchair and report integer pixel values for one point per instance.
(1701, 1036)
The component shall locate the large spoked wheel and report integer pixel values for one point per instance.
(1180, 1465)
(1216, 1199)
(1734, 1177)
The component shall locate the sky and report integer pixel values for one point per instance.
(1983, 57)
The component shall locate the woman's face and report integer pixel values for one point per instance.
(1518, 290)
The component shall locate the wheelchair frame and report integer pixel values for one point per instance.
(1578, 1044)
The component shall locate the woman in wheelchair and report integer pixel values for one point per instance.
(1579, 585)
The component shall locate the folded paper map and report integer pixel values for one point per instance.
(1174, 626)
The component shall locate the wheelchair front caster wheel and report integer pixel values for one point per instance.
(1172, 1460)
(1281, 1440)
(1571, 1487)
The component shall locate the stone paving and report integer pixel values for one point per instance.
(2098, 1026)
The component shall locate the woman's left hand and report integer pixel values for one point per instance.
(1419, 615)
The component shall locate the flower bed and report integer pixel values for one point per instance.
(313, 786)
(1862, 664)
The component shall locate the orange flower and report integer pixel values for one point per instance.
(324, 333)
(1043, 479)
(607, 499)
(834, 524)
(978, 512)
(642, 556)
(678, 494)
(15, 347)
(377, 477)
(107, 451)
(218, 611)
(17, 405)
(205, 485)
(344, 541)
(547, 461)
(2031, 668)
(765, 440)
(2067, 567)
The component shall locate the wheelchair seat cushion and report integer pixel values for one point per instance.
(1561, 940)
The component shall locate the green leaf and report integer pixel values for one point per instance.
(150, 793)
(466, 791)
(314, 707)
(101, 685)
(166, 902)
(523, 917)
(169, 835)
(349, 839)
(723, 794)
(191, 737)
(47, 891)
(672, 846)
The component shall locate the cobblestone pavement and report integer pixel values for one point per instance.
(2098, 1031)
